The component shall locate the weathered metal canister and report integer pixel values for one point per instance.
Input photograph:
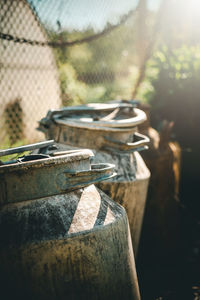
(61, 238)
(161, 230)
(110, 130)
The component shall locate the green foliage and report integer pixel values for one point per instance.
(5, 144)
(73, 92)
(175, 91)
(98, 70)
(102, 69)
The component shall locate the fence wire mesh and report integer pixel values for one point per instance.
(55, 53)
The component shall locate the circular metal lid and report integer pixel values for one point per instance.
(40, 160)
(40, 175)
(99, 115)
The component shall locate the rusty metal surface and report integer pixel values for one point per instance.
(74, 246)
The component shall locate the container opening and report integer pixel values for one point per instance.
(32, 157)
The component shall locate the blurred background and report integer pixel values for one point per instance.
(57, 53)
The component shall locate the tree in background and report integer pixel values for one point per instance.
(108, 65)
(173, 76)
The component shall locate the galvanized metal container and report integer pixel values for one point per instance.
(110, 130)
(61, 238)
(161, 230)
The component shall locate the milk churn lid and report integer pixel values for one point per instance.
(37, 175)
(97, 115)
(40, 160)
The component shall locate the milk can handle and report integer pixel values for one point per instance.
(78, 179)
(138, 145)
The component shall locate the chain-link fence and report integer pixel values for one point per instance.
(28, 76)
(55, 53)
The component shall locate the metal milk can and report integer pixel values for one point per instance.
(110, 130)
(61, 237)
(161, 230)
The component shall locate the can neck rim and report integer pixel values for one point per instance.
(73, 156)
(105, 125)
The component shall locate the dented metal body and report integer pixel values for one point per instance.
(72, 244)
(110, 130)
